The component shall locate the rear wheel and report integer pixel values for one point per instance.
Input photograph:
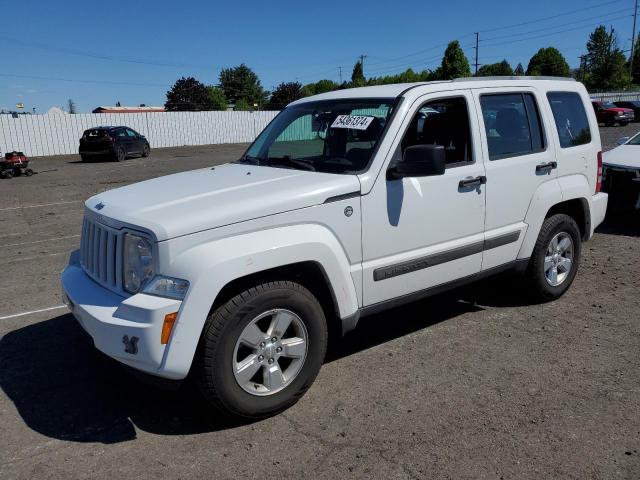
(84, 158)
(261, 350)
(556, 257)
(120, 154)
(8, 174)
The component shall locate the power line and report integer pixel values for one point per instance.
(543, 19)
(75, 80)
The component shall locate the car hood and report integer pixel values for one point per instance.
(627, 156)
(207, 198)
(619, 110)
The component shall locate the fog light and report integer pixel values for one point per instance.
(167, 327)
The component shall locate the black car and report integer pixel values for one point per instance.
(117, 143)
(632, 104)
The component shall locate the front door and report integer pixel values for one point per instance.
(422, 232)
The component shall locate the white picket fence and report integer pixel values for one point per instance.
(39, 135)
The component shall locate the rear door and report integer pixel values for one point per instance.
(518, 160)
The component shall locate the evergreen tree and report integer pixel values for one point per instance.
(454, 63)
(605, 63)
(241, 83)
(519, 71)
(357, 77)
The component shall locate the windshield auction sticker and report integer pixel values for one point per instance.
(356, 122)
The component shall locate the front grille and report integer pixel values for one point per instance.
(100, 249)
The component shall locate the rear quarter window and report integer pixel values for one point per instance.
(571, 119)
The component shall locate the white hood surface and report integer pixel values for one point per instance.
(207, 198)
(627, 156)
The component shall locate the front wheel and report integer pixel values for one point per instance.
(262, 350)
(145, 151)
(556, 257)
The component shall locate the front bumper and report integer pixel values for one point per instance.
(126, 329)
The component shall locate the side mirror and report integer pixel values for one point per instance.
(623, 140)
(420, 161)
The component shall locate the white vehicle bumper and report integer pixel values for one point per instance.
(598, 209)
(108, 318)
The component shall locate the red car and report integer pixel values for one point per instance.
(609, 114)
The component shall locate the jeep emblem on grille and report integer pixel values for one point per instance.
(99, 206)
(130, 344)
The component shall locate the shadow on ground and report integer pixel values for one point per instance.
(64, 389)
(625, 223)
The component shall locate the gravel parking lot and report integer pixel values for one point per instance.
(477, 383)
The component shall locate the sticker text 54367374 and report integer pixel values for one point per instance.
(356, 122)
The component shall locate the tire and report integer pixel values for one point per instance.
(221, 349)
(609, 123)
(119, 154)
(540, 276)
(8, 174)
(28, 172)
(84, 158)
(145, 151)
(624, 124)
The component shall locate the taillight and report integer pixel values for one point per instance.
(599, 177)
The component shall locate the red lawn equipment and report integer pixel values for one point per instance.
(14, 164)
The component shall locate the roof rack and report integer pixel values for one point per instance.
(480, 79)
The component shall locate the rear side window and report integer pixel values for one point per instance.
(94, 133)
(513, 126)
(571, 118)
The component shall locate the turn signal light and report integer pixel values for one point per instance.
(167, 326)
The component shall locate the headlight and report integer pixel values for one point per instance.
(137, 264)
(168, 287)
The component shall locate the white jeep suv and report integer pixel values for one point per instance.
(348, 203)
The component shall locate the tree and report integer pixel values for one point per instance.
(357, 77)
(284, 94)
(500, 69)
(242, 106)
(71, 106)
(217, 98)
(548, 62)
(454, 63)
(321, 86)
(519, 71)
(188, 95)
(605, 63)
(241, 83)
(408, 76)
(635, 74)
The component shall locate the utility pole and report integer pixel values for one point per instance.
(478, 48)
(583, 67)
(362, 57)
(633, 40)
(340, 69)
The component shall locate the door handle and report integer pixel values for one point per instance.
(546, 167)
(472, 181)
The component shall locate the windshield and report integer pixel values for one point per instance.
(334, 136)
(634, 140)
(607, 105)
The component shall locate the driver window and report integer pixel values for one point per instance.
(443, 122)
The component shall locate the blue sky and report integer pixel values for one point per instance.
(98, 53)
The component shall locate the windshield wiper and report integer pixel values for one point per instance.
(292, 162)
(252, 160)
